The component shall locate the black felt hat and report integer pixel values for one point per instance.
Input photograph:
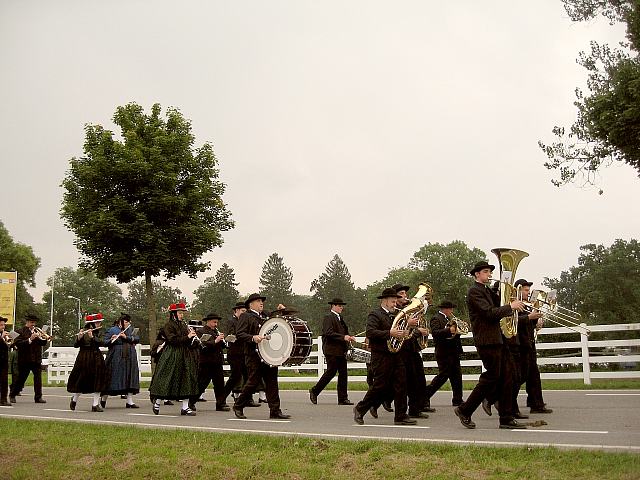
(447, 304)
(31, 316)
(337, 301)
(523, 282)
(211, 316)
(388, 292)
(238, 306)
(481, 266)
(398, 287)
(252, 297)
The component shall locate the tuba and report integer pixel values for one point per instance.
(509, 259)
(416, 308)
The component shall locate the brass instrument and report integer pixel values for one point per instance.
(546, 303)
(509, 259)
(9, 337)
(462, 327)
(415, 309)
(42, 335)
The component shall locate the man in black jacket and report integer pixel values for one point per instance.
(448, 350)
(335, 343)
(4, 364)
(388, 368)
(248, 333)
(212, 360)
(496, 382)
(29, 345)
(235, 356)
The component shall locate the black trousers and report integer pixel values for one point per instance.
(259, 372)
(237, 373)
(24, 369)
(4, 381)
(448, 369)
(534, 384)
(519, 373)
(335, 364)
(388, 371)
(212, 372)
(416, 381)
(496, 382)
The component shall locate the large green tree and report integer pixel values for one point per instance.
(603, 287)
(275, 282)
(334, 282)
(136, 304)
(217, 294)
(147, 204)
(18, 257)
(607, 128)
(95, 294)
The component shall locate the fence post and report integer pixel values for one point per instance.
(586, 365)
(320, 358)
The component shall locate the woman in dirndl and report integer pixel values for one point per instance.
(89, 374)
(122, 361)
(176, 374)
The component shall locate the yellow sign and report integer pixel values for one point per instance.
(8, 284)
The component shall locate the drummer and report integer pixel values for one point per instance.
(247, 332)
(335, 343)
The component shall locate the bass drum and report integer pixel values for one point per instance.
(289, 341)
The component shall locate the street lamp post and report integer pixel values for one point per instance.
(79, 314)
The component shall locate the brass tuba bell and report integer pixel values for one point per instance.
(416, 308)
(509, 259)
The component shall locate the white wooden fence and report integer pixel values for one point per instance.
(587, 353)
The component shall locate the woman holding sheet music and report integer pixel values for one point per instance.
(122, 360)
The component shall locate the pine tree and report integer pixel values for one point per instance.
(218, 294)
(275, 282)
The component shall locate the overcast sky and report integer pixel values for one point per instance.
(362, 128)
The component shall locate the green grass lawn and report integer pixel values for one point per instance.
(58, 450)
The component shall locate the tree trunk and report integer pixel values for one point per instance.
(151, 309)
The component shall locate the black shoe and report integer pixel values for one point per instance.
(192, 406)
(12, 399)
(428, 409)
(374, 412)
(72, 404)
(405, 421)
(97, 408)
(238, 412)
(486, 406)
(464, 420)
(279, 415)
(103, 403)
(40, 400)
(387, 406)
(131, 405)
(188, 412)
(223, 408)
(168, 402)
(251, 403)
(457, 403)
(520, 416)
(5, 403)
(418, 415)
(156, 409)
(512, 425)
(541, 410)
(201, 400)
(357, 416)
(345, 402)
(313, 397)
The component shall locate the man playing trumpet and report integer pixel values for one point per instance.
(29, 344)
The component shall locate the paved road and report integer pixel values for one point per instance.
(595, 419)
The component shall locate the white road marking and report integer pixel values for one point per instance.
(152, 415)
(337, 436)
(66, 410)
(612, 394)
(389, 426)
(257, 420)
(595, 432)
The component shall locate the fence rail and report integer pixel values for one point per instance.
(588, 353)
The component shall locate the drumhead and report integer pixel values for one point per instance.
(277, 349)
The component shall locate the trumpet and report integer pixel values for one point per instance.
(462, 327)
(42, 335)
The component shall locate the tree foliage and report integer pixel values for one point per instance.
(607, 127)
(18, 257)
(334, 282)
(217, 294)
(95, 294)
(603, 287)
(275, 282)
(148, 204)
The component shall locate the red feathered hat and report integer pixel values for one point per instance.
(94, 317)
(177, 307)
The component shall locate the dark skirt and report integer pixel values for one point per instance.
(89, 373)
(176, 375)
(122, 364)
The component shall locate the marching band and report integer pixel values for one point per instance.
(503, 318)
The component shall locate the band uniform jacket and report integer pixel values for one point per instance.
(247, 326)
(29, 352)
(4, 353)
(485, 315)
(211, 352)
(378, 325)
(525, 331)
(446, 343)
(333, 331)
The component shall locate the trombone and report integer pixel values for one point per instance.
(545, 303)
